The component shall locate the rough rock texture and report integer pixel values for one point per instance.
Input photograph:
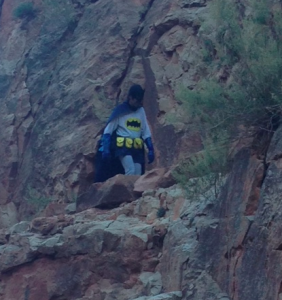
(91, 255)
(112, 193)
(219, 248)
(63, 71)
(161, 177)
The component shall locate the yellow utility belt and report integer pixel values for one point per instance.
(129, 143)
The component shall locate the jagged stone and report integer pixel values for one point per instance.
(53, 209)
(165, 296)
(9, 215)
(154, 179)
(4, 236)
(98, 246)
(146, 206)
(152, 283)
(71, 208)
(19, 227)
(112, 193)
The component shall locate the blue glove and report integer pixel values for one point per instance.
(106, 142)
(151, 153)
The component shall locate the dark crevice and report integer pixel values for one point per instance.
(237, 255)
(78, 4)
(16, 166)
(1, 4)
(266, 165)
(26, 138)
(158, 241)
(151, 92)
(158, 237)
(70, 29)
(233, 251)
(144, 14)
(194, 5)
(277, 157)
(133, 42)
(245, 239)
(262, 143)
(119, 81)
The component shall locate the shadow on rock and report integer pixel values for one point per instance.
(109, 194)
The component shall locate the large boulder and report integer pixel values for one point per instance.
(112, 193)
(153, 179)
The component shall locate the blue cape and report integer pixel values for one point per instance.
(120, 110)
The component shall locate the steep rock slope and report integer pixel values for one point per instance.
(62, 71)
(221, 248)
(60, 74)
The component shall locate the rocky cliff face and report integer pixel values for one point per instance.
(61, 73)
(221, 248)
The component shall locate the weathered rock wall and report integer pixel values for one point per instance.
(202, 248)
(63, 71)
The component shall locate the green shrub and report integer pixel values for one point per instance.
(161, 212)
(248, 48)
(203, 173)
(24, 10)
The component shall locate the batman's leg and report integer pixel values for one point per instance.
(128, 164)
(138, 169)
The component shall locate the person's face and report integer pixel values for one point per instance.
(134, 103)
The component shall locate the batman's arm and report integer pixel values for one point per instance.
(146, 132)
(111, 127)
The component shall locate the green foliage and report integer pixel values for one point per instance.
(227, 30)
(203, 173)
(261, 11)
(252, 46)
(207, 186)
(161, 212)
(247, 48)
(38, 200)
(208, 51)
(24, 10)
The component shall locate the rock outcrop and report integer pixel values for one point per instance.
(63, 237)
(61, 73)
(202, 248)
(94, 254)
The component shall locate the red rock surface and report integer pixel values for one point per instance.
(109, 194)
(61, 73)
(153, 179)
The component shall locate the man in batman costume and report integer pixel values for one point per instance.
(121, 148)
